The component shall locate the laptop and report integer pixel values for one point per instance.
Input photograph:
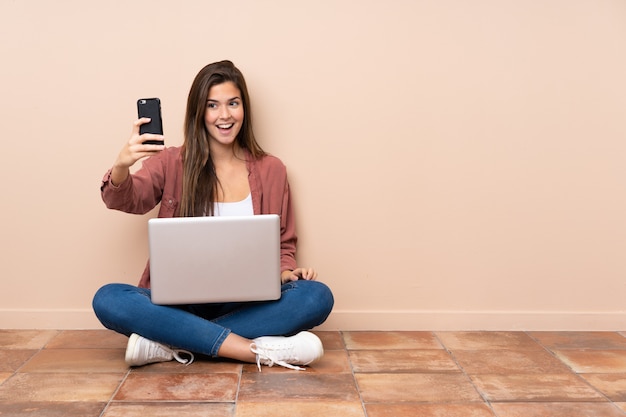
(214, 259)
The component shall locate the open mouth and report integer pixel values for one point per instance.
(225, 126)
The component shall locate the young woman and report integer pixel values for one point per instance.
(219, 170)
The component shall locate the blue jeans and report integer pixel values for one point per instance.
(202, 328)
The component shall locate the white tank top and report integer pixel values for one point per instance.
(237, 208)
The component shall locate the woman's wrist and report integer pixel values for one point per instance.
(119, 175)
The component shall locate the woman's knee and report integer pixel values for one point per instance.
(106, 296)
(317, 298)
(112, 301)
(325, 295)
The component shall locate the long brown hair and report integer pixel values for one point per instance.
(200, 180)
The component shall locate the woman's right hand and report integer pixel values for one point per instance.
(133, 151)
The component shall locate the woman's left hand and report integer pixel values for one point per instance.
(298, 273)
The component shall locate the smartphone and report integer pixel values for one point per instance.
(150, 107)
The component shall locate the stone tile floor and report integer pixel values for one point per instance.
(373, 374)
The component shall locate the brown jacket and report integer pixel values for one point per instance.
(160, 179)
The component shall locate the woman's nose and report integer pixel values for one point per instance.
(224, 112)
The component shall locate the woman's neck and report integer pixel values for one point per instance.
(226, 154)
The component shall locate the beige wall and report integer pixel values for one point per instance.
(455, 164)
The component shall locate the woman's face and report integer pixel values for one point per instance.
(223, 117)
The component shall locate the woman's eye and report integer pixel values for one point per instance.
(234, 103)
(211, 106)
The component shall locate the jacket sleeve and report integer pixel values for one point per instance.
(140, 192)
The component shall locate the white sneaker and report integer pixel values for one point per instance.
(301, 349)
(141, 351)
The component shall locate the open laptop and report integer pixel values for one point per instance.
(196, 260)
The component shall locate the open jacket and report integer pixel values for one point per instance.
(160, 180)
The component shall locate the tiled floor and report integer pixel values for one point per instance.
(373, 374)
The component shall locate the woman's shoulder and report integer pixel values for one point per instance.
(268, 167)
(270, 161)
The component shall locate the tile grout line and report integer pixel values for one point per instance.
(572, 370)
(356, 383)
(119, 386)
(456, 362)
(236, 404)
(36, 352)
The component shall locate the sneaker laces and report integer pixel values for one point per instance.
(176, 353)
(162, 351)
(272, 356)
